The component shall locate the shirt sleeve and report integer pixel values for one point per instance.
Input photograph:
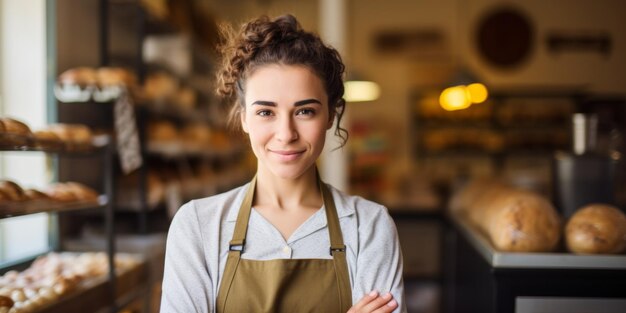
(187, 284)
(379, 261)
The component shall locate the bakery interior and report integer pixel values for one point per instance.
(492, 130)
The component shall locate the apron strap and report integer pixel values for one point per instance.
(238, 240)
(337, 248)
(236, 245)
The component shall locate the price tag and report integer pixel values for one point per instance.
(128, 146)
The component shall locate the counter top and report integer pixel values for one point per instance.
(519, 260)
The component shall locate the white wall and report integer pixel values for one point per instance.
(23, 96)
(601, 74)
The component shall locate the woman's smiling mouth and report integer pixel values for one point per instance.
(287, 155)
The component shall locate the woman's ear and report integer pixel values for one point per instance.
(331, 119)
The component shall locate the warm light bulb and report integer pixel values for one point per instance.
(454, 98)
(358, 91)
(478, 92)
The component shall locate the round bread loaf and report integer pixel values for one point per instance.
(12, 190)
(18, 133)
(596, 229)
(513, 219)
(521, 221)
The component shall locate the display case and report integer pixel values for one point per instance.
(484, 279)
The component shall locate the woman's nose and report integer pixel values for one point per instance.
(286, 131)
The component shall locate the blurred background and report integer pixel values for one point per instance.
(440, 93)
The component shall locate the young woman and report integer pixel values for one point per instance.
(286, 241)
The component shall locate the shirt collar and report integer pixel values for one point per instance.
(343, 210)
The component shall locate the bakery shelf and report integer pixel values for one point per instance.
(12, 209)
(9, 142)
(173, 150)
(164, 109)
(95, 294)
(519, 260)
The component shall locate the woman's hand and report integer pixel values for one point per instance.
(375, 303)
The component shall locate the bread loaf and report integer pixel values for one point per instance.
(46, 139)
(513, 219)
(73, 135)
(596, 229)
(12, 190)
(18, 133)
(81, 76)
(33, 194)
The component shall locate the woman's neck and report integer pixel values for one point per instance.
(287, 194)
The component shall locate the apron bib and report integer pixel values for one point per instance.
(285, 285)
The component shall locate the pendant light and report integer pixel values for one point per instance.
(464, 91)
(360, 90)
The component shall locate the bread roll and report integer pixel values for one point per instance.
(81, 191)
(71, 191)
(19, 133)
(162, 131)
(33, 194)
(6, 302)
(12, 190)
(81, 76)
(114, 76)
(59, 192)
(513, 219)
(46, 139)
(596, 229)
(75, 135)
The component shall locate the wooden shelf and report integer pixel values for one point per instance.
(10, 142)
(12, 209)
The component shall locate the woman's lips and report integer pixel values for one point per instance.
(287, 155)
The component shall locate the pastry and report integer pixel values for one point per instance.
(12, 190)
(59, 192)
(115, 76)
(74, 135)
(162, 131)
(34, 194)
(18, 132)
(596, 229)
(46, 139)
(81, 191)
(81, 76)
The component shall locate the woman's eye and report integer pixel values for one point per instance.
(307, 111)
(264, 113)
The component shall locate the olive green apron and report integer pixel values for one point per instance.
(285, 285)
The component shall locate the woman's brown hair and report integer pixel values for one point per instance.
(280, 41)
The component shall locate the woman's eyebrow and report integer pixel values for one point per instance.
(297, 103)
(267, 103)
(307, 101)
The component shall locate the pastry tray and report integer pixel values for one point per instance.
(532, 260)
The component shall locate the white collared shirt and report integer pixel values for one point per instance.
(198, 242)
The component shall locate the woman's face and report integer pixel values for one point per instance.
(286, 117)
